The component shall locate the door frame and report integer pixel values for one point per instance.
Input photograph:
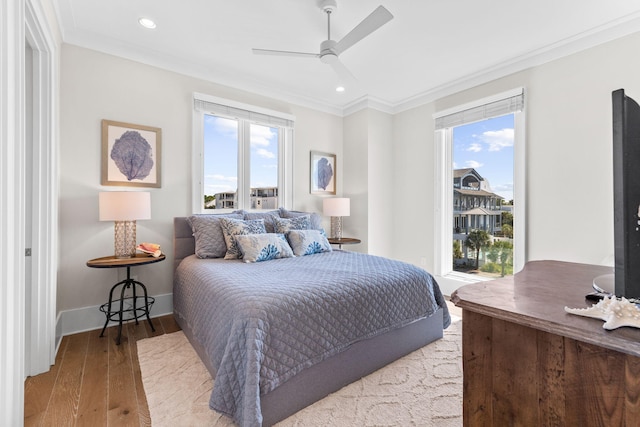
(40, 349)
(20, 19)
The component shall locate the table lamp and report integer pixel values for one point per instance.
(125, 207)
(336, 208)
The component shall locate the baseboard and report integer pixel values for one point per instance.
(90, 318)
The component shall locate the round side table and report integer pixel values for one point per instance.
(343, 241)
(116, 309)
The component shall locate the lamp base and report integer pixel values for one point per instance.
(125, 239)
(336, 227)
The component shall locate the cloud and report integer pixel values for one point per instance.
(218, 177)
(219, 186)
(498, 139)
(265, 153)
(262, 135)
(222, 125)
(504, 187)
(473, 164)
(475, 147)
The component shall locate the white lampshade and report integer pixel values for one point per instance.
(336, 206)
(125, 208)
(124, 205)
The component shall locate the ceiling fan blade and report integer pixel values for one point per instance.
(375, 20)
(343, 72)
(285, 53)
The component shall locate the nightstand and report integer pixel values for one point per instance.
(343, 241)
(126, 308)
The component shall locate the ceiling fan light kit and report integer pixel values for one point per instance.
(327, 52)
(330, 50)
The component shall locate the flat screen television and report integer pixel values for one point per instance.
(625, 282)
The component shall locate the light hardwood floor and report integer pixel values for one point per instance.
(94, 382)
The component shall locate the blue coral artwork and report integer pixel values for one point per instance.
(130, 154)
(323, 173)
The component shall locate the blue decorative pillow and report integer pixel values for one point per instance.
(307, 242)
(268, 217)
(208, 235)
(263, 247)
(316, 220)
(236, 227)
(283, 225)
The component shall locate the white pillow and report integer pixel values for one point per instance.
(308, 242)
(263, 247)
(235, 227)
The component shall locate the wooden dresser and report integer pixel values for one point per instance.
(528, 363)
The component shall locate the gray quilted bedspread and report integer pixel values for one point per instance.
(262, 323)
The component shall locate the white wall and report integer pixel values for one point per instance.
(414, 185)
(369, 180)
(381, 184)
(569, 155)
(95, 86)
(315, 131)
(356, 178)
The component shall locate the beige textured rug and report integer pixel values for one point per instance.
(423, 388)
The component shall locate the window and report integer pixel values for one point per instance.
(241, 156)
(510, 103)
(482, 196)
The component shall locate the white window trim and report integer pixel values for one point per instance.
(443, 179)
(285, 151)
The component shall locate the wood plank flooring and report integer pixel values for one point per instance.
(94, 382)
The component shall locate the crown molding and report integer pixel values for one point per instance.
(367, 102)
(596, 36)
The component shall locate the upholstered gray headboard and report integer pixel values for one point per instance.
(183, 242)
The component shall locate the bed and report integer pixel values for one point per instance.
(282, 334)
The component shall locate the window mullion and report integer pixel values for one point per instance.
(244, 164)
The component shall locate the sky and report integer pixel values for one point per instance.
(487, 146)
(221, 155)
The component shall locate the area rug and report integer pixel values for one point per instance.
(423, 388)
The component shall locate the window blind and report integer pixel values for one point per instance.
(511, 104)
(257, 115)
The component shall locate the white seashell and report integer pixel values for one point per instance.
(615, 312)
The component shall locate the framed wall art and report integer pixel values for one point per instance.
(130, 154)
(323, 173)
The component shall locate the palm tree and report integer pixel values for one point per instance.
(476, 240)
(457, 250)
(507, 231)
(501, 251)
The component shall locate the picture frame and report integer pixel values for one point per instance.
(131, 155)
(322, 177)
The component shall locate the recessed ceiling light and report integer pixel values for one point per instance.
(147, 23)
(340, 89)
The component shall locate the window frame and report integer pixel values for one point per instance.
(443, 195)
(246, 115)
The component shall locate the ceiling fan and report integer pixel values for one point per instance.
(330, 49)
